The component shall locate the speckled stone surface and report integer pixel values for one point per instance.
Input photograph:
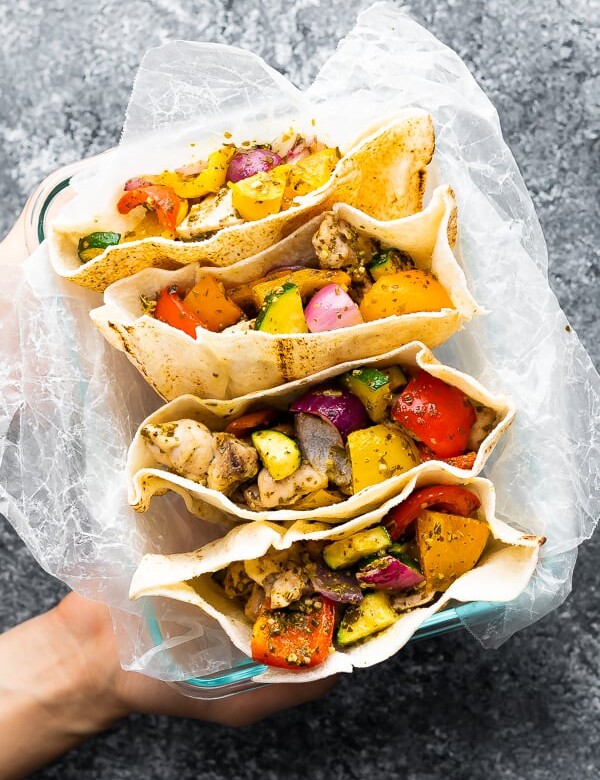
(443, 708)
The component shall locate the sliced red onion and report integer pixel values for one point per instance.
(298, 153)
(136, 183)
(284, 144)
(244, 164)
(339, 407)
(331, 308)
(323, 447)
(335, 585)
(388, 573)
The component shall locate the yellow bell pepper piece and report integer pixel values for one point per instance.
(183, 210)
(312, 172)
(378, 453)
(260, 195)
(210, 180)
(307, 280)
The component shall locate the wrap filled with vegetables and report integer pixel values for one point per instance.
(341, 441)
(344, 286)
(216, 204)
(311, 600)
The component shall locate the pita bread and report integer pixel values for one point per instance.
(383, 174)
(501, 575)
(146, 478)
(240, 360)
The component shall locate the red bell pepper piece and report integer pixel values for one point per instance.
(163, 200)
(294, 638)
(444, 498)
(172, 310)
(247, 423)
(439, 414)
(466, 461)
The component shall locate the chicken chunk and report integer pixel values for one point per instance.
(267, 567)
(185, 446)
(234, 462)
(211, 214)
(405, 602)
(288, 587)
(281, 574)
(484, 424)
(236, 583)
(269, 493)
(338, 245)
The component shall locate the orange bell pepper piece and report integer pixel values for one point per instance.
(444, 498)
(209, 301)
(404, 292)
(172, 310)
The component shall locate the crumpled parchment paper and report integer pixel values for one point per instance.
(69, 404)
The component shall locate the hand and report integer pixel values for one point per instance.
(87, 625)
(61, 680)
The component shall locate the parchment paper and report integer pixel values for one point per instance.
(69, 404)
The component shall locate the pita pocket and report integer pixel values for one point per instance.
(329, 442)
(382, 173)
(275, 590)
(240, 358)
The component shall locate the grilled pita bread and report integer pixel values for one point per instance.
(383, 173)
(501, 574)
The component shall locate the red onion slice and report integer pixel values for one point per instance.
(388, 573)
(244, 164)
(323, 447)
(335, 585)
(331, 308)
(339, 407)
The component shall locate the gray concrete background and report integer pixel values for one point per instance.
(442, 708)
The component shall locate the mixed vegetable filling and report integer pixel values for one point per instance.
(235, 184)
(357, 280)
(332, 442)
(317, 596)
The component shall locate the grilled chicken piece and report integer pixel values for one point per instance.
(211, 214)
(186, 446)
(281, 574)
(288, 586)
(404, 602)
(268, 493)
(484, 423)
(217, 460)
(339, 245)
(234, 462)
(237, 584)
(270, 565)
